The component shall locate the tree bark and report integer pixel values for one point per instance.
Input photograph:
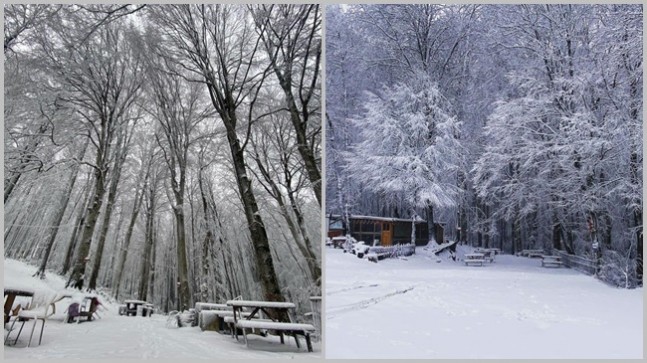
(77, 277)
(80, 222)
(123, 253)
(65, 198)
(145, 266)
(431, 226)
(282, 38)
(297, 228)
(112, 195)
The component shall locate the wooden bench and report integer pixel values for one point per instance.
(554, 261)
(132, 305)
(374, 257)
(199, 306)
(280, 319)
(474, 258)
(531, 253)
(488, 254)
(281, 328)
(222, 317)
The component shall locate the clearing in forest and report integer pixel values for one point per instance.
(513, 308)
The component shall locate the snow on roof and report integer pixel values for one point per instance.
(261, 304)
(385, 219)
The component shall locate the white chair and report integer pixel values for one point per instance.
(39, 313)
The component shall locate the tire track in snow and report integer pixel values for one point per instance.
(330, 314)
(351, 289)
(149, 344)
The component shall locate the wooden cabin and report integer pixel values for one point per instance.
(388, 231)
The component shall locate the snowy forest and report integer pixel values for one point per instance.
(517, 126)
(168, 153)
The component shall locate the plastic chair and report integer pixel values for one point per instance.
(36, 314)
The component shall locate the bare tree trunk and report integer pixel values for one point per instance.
(80, 222)
(153, 257)
(308, 254)
(431, 225)
(121, 261)
(183, 290)
(208, 242)
(65, 198)
(112, 195)
(296, 228)
(106, 277)
(289, 28)
(200, 30)
(145, 266)
(77, 277)
(258, 235)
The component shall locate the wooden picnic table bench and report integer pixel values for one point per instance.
(497, 251)
(132, 307)
(199, 306)
(10, 294)
(548, 260)
(217, 320)
(488, 253)
(531, 253)
(281, 327)
(374, 256)
(474, 258)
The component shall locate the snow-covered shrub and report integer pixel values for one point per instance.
(619, 268)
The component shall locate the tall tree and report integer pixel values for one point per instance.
(64, 202)
(292, 40)
(178, 110)
(103, 76)
(230, 69)
(409, 148)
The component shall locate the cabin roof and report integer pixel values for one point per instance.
(374, 218)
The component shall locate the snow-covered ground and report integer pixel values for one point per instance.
(115, 336)
(420, 308)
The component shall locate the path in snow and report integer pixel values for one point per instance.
(512, 308)
(115, 336)
(137, 338)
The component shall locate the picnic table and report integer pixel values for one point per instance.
(10, 294)
(199, 306)
(34, 310)
(475, 258)
(315, 313)
(274, 310)
(531, 253)
(132, 307)
(217, 320)
(488, 253)
(202, 307)
(547, 260)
